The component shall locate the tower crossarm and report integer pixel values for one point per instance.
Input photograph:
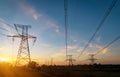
(32, 37)
(19, 36)
(14, 36)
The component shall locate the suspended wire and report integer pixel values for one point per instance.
(3, 34)
(33, 43)
(6, 24)
(17, 28)
(66, 24)
(100, 25)
(109, 44)
(5, 29)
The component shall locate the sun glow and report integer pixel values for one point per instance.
(3, 60)
(105, 51)
(6, 60)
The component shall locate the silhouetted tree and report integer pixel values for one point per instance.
(33, 64)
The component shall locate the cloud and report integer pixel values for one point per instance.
(105, 50)
(53, 25)
(29, 10)
(72, 47)
(75, 40)
(97, 48)
(74, 50)
(91, 45)
(92, 49)
(79, 49)
(62, 52)
(44, 20)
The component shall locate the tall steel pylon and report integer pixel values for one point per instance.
(70, 60)
(23, 56)
(92, 59)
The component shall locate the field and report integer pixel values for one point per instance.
(60, 71)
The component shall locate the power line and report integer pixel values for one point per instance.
(92, 59)
(6, 23)
(66, 23)
(16, 27)
(6, 30)
(117, 38)
(100, 25)
(3, 34)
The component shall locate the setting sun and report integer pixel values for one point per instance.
(3, 60)
(6, 60)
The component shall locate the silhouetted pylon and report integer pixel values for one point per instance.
(70, 60)
(23, 56)
(92, 59)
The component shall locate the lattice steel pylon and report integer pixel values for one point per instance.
(23, 56)
(70, 60)
(92, 59)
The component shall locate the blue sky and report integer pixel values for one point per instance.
(47, 20)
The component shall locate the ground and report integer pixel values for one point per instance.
(7, 70)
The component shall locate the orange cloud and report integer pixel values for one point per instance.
(105, 51)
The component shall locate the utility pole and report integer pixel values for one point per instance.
(23, 56)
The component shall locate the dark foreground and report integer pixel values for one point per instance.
(82, 71)
(60, 71)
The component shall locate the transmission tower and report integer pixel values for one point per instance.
(70, 60)
(23, 56)
(92, 59)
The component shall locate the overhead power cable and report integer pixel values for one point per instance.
(5, 29)
(100, 25)
(66, 23)
(6, 23)
(1, 21)
(3, 34)
(108, 44)
(16, 29)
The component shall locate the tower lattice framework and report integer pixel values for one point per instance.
(70, 60)
(23, 56)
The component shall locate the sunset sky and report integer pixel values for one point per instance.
(47, 20)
